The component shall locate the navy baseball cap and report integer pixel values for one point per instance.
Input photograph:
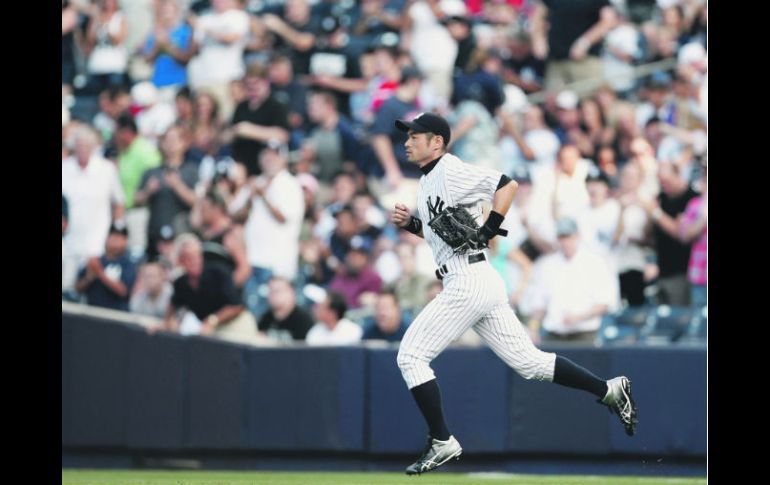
(426, 123)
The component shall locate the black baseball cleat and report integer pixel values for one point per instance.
(435, 454)
(619, 400)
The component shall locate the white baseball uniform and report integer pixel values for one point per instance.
(474, 293)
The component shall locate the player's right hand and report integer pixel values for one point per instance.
(401, 215)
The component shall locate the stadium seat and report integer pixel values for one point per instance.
(669, 325)
(624, 326)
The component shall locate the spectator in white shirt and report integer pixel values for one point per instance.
(331, 328)
(573, 289)
(92, 188)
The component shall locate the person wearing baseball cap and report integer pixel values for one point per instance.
(427, 123)
(106, 281)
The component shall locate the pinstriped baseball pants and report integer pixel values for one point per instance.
(473, 296)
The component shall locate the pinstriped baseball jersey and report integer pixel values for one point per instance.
(474, 293)
(453, 182)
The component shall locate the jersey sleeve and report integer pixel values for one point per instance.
(469, 184)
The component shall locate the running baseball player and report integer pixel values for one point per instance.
(449, 201)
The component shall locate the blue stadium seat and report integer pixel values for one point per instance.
(624, 326)
(670, 324)
(698, 329)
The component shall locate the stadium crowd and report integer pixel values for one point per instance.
(229, 166)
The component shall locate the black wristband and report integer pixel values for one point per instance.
(493, 221)
(414, 226)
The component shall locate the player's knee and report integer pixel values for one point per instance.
(407, 361)
(529, 373)
(539, 369)
(404, 361)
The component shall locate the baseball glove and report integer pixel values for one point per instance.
(457, 227)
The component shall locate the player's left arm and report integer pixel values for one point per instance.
(503, 198)
(501, 202)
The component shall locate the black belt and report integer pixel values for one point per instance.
(473, 258)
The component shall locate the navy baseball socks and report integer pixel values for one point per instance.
(428, 398)
(441, 446)
(568, 373)
(615, 393)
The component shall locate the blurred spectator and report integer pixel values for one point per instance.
(286, 89)
(333, 139)
(481, 81)
(168, 191)
(153, 115)
(105, 45)
(207, 292)
(568, 183)
(423, 29)
(693, 228)
(411, 287)
(673, 254)
(345, 234)
(343, 190)
(569, 35)
(458, 24)
(568, 128)
(154, 291)
(206, 126)
(535, 143)
(599, 220)
(573, 290)
(643, 156)
(95, 198)
(388, 323)
(257, 120)
(474, 134)
(284, 321)
(607, 163)
(387, 140)
(273, 225)
(113, 102)
(219, 40)
(657, 103)
(169, 47)
(331, 327)
(185, 113)
(388, 73)
(165, 250)
(295, 29)
(355, 279)
(521, 68)
(370, 218)
(621, 50)
(360, 89)
(631, 236)
(613, 109)
(69, 24)
(595, 133)
(223, 241)
(135, 156)
(107, 281)
(373, 18)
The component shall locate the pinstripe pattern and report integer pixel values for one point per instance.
(473, 295)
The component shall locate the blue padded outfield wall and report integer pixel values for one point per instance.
(124, 389)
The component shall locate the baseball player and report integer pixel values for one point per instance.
(474, 294)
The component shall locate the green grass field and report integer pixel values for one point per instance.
(141, 477)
